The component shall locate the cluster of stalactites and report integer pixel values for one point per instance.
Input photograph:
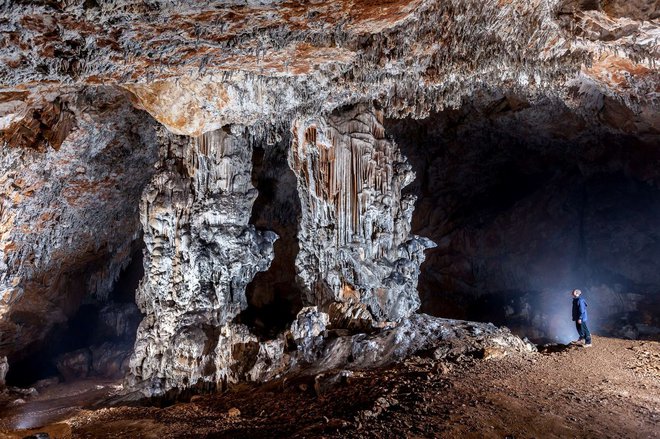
(355, 227)
(219, 163)
(348, 166)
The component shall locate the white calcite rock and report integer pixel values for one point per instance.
(200, 255)
(355, 240)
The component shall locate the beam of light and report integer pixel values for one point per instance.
(27, 421)
(31, 419)
(552, 315)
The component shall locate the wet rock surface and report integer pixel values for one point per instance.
(50, 403)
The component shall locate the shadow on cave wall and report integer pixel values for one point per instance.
(96, 341)
(527, 202)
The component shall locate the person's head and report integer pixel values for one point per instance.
(576, 293)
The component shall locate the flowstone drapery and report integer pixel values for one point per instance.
(355, 243)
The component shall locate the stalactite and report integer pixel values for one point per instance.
(355, 191)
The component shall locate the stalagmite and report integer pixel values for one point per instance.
(200, 255)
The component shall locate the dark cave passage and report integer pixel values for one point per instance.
(95, 341)
(527, 202)
(274, 297)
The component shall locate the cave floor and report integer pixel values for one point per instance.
(52, 404)
(609, 390)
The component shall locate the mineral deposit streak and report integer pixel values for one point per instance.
(355, 241)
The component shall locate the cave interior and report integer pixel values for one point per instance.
(524, 200)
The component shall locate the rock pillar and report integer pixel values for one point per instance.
(357, 255)
(200, 255)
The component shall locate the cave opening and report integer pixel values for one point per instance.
(95, 341)
(274, 297)
(528, 201)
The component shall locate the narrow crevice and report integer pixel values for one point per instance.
(274, 297)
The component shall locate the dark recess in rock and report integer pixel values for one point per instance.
(274, 297)
(527, 202)
(95, 341)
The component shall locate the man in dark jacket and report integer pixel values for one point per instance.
(580, 318)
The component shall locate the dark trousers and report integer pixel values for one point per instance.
(583, 330)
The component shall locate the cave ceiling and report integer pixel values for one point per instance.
(198, 66)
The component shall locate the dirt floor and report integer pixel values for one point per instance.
(610, 390)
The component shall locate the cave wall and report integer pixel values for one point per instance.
(70, 189)
(274, 296)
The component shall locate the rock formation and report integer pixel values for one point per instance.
(106, 350)
(197, 67)
(93, 94)
(200, 254)
(69, 208)
(355, 242)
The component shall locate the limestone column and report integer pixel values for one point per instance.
(200, 255)
(357, 259)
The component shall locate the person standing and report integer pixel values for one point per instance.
(580, 318)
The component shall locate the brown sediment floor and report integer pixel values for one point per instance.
(51, 404)
(611, 390)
